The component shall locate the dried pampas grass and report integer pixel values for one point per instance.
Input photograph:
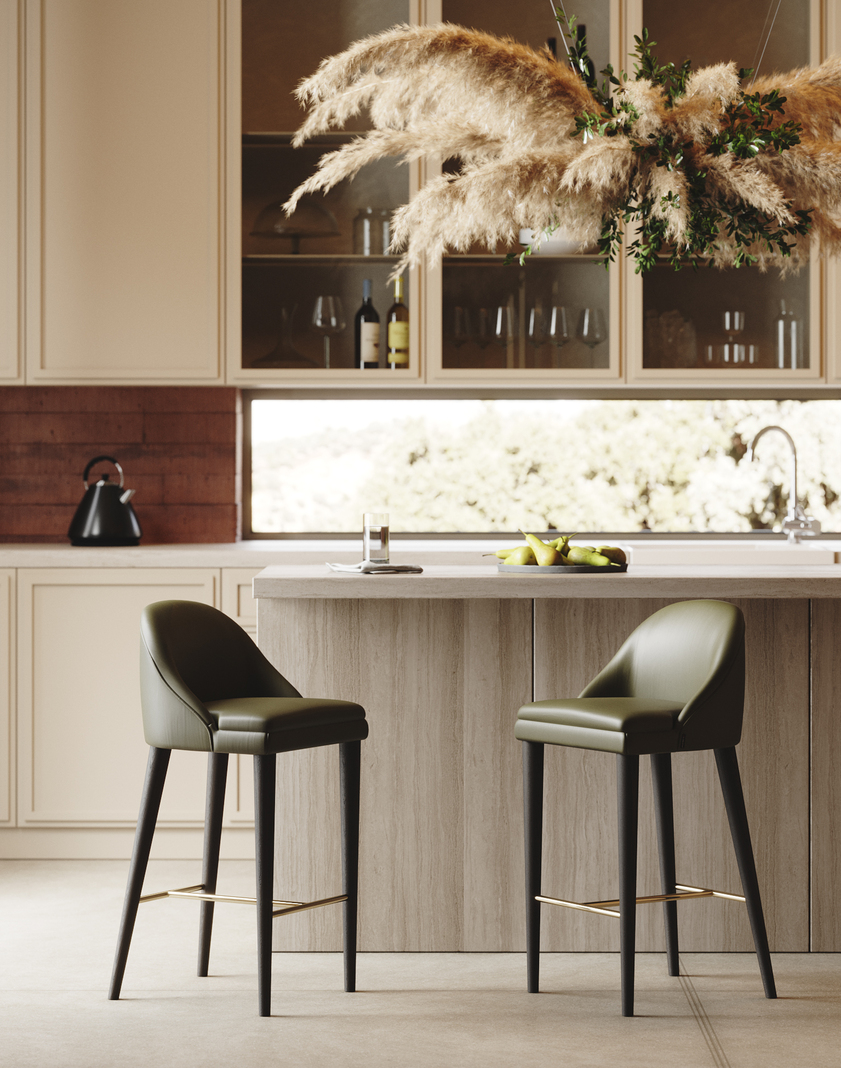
(510, 115)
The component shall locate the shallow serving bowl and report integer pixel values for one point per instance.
(562, 569)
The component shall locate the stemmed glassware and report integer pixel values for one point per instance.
(536, 328)
(557, 330)
(504, 328)
(328, 318)
(483, 328)
(733, 350)
(592, 329)
(462, 326)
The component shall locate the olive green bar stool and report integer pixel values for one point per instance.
(204, 685)
(676, 685)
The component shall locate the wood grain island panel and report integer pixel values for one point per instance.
(442, 679)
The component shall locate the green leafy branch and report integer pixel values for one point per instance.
(749, 125)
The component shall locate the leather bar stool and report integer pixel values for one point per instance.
(205, 686)
(676, 685)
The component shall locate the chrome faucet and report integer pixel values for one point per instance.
(796, 524)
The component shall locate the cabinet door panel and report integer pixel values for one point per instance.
(82, 754)
(237, 599)
(7, 691)
(727, 327)
(9, 147)
(124, 193)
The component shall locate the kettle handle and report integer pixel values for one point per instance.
(96, 460)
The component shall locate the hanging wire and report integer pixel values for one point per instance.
(560, 27)
(767, 35)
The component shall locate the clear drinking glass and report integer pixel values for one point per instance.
(592, 329)
(328, 318)
(375, 537)
(558, 331)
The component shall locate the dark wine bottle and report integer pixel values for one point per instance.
(366, 331)
(398, 329)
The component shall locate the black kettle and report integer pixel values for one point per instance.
(105, 515)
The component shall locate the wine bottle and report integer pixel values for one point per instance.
(398, 329)
(366, 331)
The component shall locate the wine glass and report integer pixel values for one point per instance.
(328, 318)
(536, 328)
(592, 329)
(558, 330)
(461, 325)
(483, 329)
(733, 350)
(504, 328)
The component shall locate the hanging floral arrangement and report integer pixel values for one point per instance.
(689, 163)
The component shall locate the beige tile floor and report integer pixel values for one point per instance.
(58, 923)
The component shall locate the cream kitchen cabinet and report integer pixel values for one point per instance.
(81, 754)
(666, 331)
(147, 150)
(124, 189)
(7, 691)
(11, 362)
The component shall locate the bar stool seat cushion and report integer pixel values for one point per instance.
(607, 724)
(260, 725)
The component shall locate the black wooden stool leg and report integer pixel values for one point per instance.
(349, 768)
(264, 806)
(734, 802)
(217, 774)
(661, 778)
(150, 802)
(533, 815)
(628, 771)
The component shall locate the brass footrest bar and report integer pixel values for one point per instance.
(302, 907)
(609, 908)
(279, 908)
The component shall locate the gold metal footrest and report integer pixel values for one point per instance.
(609, 908)
(279, 908)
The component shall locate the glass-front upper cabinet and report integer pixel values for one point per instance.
(304, 277)
(555, 318)
(738, 326)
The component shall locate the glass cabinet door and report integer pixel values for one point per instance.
(727, 325)
(302, 276)
(554, 317)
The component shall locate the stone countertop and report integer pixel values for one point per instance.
(254, 554)
(464, 582)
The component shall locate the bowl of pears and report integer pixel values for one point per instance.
(559, 557)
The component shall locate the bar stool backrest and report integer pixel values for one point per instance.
(191, 653)
(692, 652)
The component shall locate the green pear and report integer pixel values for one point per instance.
(544, 554)
(520, 556)
(503, 554)
(580, 554)
(613, 553)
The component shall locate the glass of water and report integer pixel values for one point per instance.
(375, 537)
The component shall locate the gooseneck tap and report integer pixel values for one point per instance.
(796, 524)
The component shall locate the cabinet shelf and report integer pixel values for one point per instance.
(487, 259)
(283, 139)
(338, 259)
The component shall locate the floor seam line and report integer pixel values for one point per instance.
(705, 1025)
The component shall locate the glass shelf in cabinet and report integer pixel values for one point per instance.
(283, 139)
(490, 259)
(337, 258)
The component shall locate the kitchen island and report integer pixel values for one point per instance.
(442, 661)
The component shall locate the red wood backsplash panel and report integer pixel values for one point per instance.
(176, 445)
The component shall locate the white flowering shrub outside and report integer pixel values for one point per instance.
(616, 465)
